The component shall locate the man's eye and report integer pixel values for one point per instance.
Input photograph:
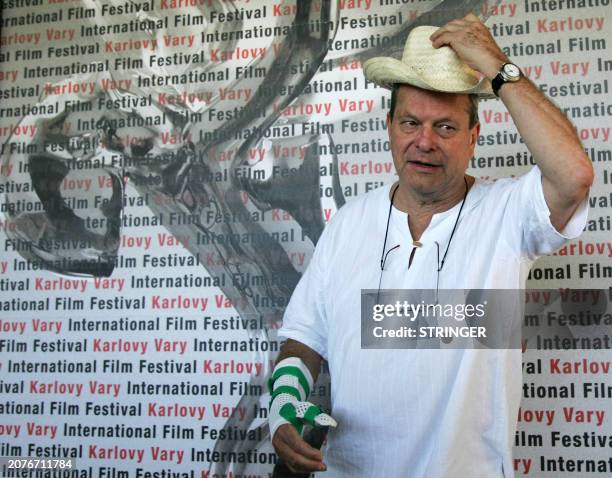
(446, 129)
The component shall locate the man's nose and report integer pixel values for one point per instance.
(426, 139)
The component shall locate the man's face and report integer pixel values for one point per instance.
(431, 141)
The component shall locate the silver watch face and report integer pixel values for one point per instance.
(511, 71)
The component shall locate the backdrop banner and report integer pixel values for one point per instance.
(166, 168)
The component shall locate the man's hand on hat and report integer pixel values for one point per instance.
(473, 43)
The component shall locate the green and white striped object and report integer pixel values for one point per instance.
(289, 387)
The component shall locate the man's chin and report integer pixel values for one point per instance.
(426, 186)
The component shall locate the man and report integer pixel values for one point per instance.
(430, 413)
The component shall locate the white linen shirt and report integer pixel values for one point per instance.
(422, 413)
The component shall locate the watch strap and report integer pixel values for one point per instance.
(502, 77)
(496, 83)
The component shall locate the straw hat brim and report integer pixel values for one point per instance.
(386, 71)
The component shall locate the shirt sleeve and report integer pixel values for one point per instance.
(305, 318)
(539, 235)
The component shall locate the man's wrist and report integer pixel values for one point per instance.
(509, 73)
(290, 383)
(494, 67)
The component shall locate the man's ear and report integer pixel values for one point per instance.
(388, 120)
(474, 134)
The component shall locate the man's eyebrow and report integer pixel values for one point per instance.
(446, 120)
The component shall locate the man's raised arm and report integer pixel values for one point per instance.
(567, 171)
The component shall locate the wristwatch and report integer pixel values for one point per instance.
(508, 73)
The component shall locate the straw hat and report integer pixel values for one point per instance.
(423, 66)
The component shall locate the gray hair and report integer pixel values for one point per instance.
(473, 105)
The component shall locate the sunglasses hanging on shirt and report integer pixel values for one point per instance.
(417, 244)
